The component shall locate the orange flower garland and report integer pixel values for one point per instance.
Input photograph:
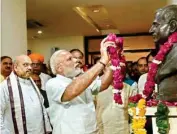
(139, 118)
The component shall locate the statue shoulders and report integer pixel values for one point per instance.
(169, 65)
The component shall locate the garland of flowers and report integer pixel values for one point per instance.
(164, 50)
(162, 118)
(150, 85)
(118, 63)
(139, 118)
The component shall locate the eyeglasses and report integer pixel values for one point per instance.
(36, 64)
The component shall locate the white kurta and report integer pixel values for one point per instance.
(141, 83)
(74, 117)
(44, 78)
(111, 118)
(33, 110)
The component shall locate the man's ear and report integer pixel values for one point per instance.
(173, 25)
(15, 67)
(60, 67)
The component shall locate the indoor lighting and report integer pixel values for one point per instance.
(39, 32)
(97, 30)
(96, 10)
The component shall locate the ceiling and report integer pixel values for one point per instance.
(59, 19)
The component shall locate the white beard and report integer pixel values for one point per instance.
(73, 73)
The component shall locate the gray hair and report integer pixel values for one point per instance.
(54, 61)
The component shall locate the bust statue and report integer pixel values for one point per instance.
(165, 24)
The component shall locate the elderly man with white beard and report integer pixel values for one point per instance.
(71, 108)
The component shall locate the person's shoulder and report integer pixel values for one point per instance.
(142, 79)
(52, 80)
(4, 87)
(143, 76)
(3, 83)
(1, 78)
(45, 75)
(51, 83)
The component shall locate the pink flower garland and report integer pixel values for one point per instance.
(164, 50)
(116, 59)
(150, 83)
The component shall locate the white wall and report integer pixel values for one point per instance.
(172, 2)
(43, 46)
(13, 27)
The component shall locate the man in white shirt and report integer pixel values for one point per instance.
(112, 118)
(71, 108)
(21, 108)
(143, 78)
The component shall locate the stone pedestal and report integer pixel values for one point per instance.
(150, 111)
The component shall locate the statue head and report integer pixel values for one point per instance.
(164, 24)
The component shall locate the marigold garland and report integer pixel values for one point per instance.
(139, 118)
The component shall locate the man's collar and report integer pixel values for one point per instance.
(63, 78)
(25, 81)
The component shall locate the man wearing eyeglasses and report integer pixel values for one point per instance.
(37, 62)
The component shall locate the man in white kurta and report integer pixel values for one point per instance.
(111, 118)
(76, 116)
(34, 111)
(71, 108)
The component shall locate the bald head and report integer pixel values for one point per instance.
(20, 58)
(22, 66)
